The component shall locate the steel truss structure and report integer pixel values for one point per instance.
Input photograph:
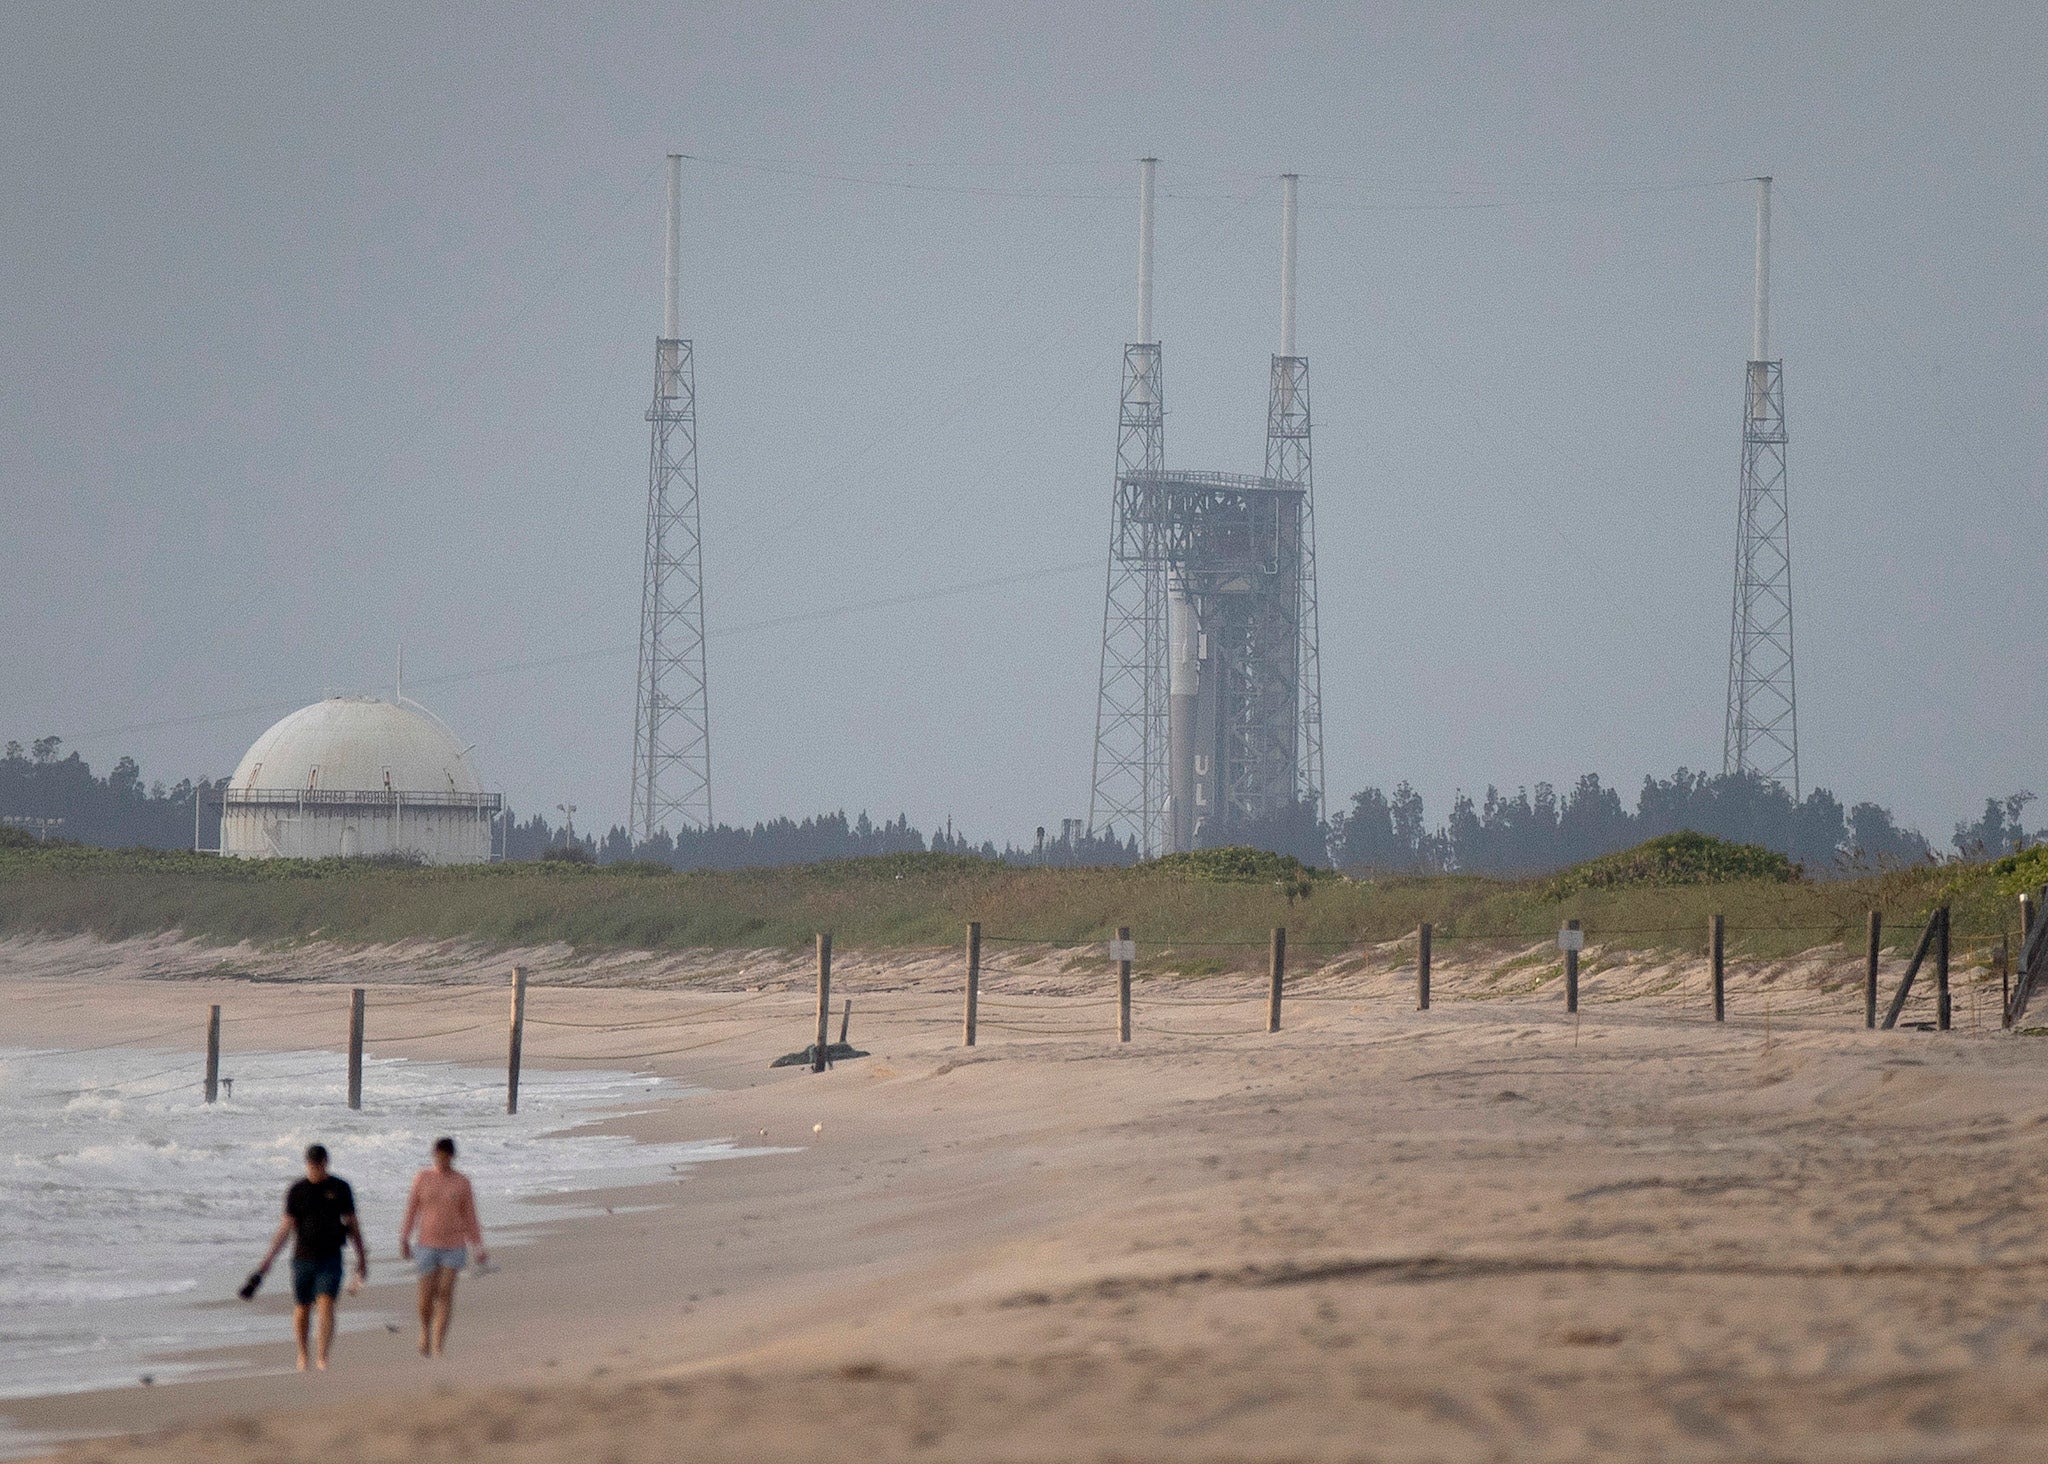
(1129, 784)
(1209, 709)
(1231, 548)
(671, 719)
(1290, 460)
(1762, 726)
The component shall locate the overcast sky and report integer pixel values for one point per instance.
(328, 329)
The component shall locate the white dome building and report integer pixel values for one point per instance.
(358, 776)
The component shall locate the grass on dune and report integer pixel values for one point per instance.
(1205, 913)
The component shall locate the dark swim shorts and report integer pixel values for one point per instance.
(316, 1278)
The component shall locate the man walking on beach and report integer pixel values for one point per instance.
(442, 1207)
(319, 1215)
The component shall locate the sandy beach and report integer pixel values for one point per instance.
(1487, 1231)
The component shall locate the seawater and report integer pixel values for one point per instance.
(127, 1204)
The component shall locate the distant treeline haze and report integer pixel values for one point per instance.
(787, 841)
(1535, 832)
(55, 794)
(1528, 832)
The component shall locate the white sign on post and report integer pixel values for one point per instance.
(1123, 950)
(1571, 940)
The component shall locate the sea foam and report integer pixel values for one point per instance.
(125, 1200)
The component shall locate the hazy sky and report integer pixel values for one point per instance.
(331, 328)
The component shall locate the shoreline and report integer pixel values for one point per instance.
(72, 1012)
(1476, 1232)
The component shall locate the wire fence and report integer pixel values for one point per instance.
(1096, 990)
(1836, 930)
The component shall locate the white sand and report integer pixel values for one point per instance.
(1483, 1232)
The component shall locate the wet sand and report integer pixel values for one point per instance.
(1482, 1232)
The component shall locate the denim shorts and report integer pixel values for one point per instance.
(316, 1278)
(428, 1259)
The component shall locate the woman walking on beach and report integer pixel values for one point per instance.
(442, 1208)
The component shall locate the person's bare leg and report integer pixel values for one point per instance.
(427, 1313)
(301, 1317)
(326, 1307)
(445, 1283)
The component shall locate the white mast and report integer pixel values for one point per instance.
(1287, 182)
(1760, 340)
(672, 262)
(1145, 167)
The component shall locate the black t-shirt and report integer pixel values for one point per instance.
(318, 1210)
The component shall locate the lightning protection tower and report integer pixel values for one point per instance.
(1289, 460)
(1209, 712)
(1129, 788)
(1762, 727)
(671, 718)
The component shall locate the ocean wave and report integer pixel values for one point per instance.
(183, 1196)
(72, 1290)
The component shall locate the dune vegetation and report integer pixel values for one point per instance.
(1649, 898)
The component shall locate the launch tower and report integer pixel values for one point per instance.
(1209, 712)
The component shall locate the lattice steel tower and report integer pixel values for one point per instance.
(1761, 732)
(1209, 712)
(1129, 787)
(671, 716)
(1289, 460)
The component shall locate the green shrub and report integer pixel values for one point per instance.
(1240, 864)
(1676, 859)
(2022, 874)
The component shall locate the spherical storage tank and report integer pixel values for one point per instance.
(357, 776)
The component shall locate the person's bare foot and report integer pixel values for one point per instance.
(426, 1349)
(321, 1365)
(302, 1362)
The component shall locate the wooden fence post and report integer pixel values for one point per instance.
(1941, 996)
(1123, 985)
(213, 1054)
(1278, 974)
(518, 1039)
(973, 979)
(1571, 973)
(2004, 979)
(1870, 969)
(2026, 929)
(1422, 940)
(2028, 965)
(1891, 1016)
(824, 1000)
(355, 1047)
(845, 1019)
(1717, 948)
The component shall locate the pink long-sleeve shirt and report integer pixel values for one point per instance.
(444, 1206)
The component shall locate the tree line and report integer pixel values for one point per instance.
(814, 840)
(1531, 831)
(54, 794)
(1534, 832)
